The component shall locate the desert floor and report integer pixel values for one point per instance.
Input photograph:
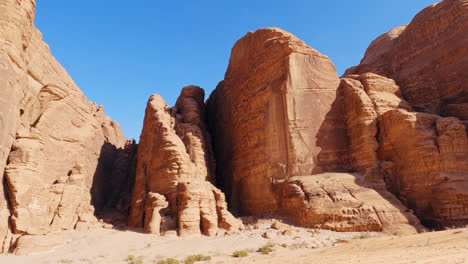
(301, 245)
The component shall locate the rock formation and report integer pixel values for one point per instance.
(282, 134)
(51, 136)
(422, 147)
(427, 58)
(280, 121)
(275, 115)
(175, 171)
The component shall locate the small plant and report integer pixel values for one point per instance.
(168, 261)
(284, 245)
(364, 236)
(194, 258)
(240, 254)
(265, 250)
(148, 245)
(132, 260)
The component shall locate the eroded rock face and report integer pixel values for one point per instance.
(421, 156)
(427, 58)
(175, 171)
(422, 141)
(51, 136)
(429, 164)
(345, 202)
(280, 119)
(275, 115)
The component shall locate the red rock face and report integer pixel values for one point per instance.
(175, 170)
(421, 154)
(51, 136)
(427, 58)
(275, 115)
(280, 119)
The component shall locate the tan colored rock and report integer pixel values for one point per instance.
(427, 157)
(426, 58)
(34, 244)
(277, 114)
(175, 161)
(154, 204)
(281, 122)
(409, 146)
(51, 134)
(367, 97)
(345, 202)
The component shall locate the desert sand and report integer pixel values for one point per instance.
(302, 245)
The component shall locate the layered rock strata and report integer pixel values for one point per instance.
(422, 149)
(281, 120)
(51, 136)
(175, 171)
(427, 58)
(275, 115)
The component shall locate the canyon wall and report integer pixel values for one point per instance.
(424, 148)
(51, 136)
(283, 130)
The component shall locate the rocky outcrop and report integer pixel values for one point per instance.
(280, 120)
(427, 164)
(345, 202)
(175, 171)
(421, 156)
(275, 115)
(427, 58)
(421, 148)
(51, 136)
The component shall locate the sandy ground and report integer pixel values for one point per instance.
(302, 245)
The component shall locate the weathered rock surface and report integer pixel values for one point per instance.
(175, 171)
(427, 157)
(421, 154)
(345, 202)
(275, 115)
(280, 119)
(51, 136)
(427, 58)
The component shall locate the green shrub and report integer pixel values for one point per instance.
(194, 258)
(265, 250)
(132, 260)
(168, 261)
(240, 254)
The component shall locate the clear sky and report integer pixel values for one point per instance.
(120, 52)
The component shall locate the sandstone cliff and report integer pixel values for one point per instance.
(175, 171)
(51, 136)
(422, 143)
(280, 120)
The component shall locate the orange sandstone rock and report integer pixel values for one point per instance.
(175, 162)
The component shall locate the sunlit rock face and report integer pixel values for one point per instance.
(424, 148)
(51, 136)
(175, 171)
(283, 126)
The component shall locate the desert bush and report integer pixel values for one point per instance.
(131, 259)
(265, 250)
(194, 258)
(240, 254)
(168, 261)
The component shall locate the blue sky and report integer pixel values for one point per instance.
(120, 52)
